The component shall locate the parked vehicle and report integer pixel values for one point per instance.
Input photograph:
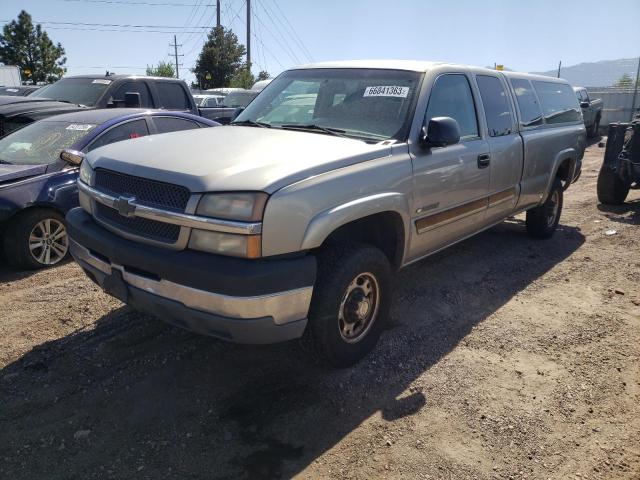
(280, 226)
(231, 104)
(10, 76)
(90, 92)
(620, 169)
(591, 110)
(38, 172)
(260, 84)
(208, 100)
(19, 91)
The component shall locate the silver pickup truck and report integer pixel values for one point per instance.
(591, 110)
(290, 221)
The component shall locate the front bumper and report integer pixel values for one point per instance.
(246, 301)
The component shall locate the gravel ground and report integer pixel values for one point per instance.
(506, 358)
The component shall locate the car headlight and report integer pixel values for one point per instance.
(247, 246)
(86, 172)
(241, 207)
(238, 207)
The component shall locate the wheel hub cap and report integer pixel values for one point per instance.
(48, 241)
(359, 307)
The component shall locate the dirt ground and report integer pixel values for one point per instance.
(506, 358)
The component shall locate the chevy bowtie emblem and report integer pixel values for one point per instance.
(125, 206)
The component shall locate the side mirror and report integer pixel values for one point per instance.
(236, 112)
(584, 104)
(72, 157)
(132, 100)
(440, 132)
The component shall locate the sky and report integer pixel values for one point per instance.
(525, 35)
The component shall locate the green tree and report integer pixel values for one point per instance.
(625, 81)
(243, 78)
(164, 69)
(31, 49)
(220, 59)
(263, 75)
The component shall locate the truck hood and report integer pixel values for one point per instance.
(13, 173)
(234, 157)
(12, 106)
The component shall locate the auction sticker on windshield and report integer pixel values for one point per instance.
(101, 81)
(386, 91)
(80, 126)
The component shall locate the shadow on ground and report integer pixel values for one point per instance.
(137, 398)
(628, 212)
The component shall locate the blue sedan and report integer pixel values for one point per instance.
(37, 187)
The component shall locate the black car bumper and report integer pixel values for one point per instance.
(248, 301)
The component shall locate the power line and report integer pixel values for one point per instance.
(267, 9)
(106, 24)
(302, 44)
(291, 54)
(154, 4)
(115, 30)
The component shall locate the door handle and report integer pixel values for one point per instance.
(484, 159)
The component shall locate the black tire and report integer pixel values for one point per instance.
(542, 221)
(18, 236)
(337, 295)
(612, 190)
(593, 131)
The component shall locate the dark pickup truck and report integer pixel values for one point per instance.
(88, 92)
(591, 110)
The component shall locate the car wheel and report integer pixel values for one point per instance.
(350, 303)
(593, 132)
(36, 239)
(612, 190)
(542, 221)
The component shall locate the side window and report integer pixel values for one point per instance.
(172, 96)
(173, 124)
(559, 103)
(496, 105)
(585, 96)
(137, 87)
(530, 112)
(133, 129)
(451, 97)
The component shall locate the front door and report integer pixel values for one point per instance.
(451, 183)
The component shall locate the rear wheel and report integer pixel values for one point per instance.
(593, 131)
(350, 303)
(612, 190)
(36, 239)
(542, 221)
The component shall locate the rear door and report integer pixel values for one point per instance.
(451, 183)
(505, 145)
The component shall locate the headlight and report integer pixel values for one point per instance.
(85, 172)
(241, 207)
(247, 246)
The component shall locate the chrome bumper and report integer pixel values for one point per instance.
(282, 307)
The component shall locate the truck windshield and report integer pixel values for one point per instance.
(368, 104)
(41, 142)
(81, 91)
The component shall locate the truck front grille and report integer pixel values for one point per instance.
(148, 192)
(152, 193)
(142, 227)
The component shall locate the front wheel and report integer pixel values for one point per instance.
(36, 239)
(350, 303)
(593, 131)
(542, 221)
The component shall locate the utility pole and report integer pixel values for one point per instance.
(559, 67)
(175, 53)
(217, 13)
(249, 35)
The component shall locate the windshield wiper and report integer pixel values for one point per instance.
(328, 130)
(4, 162)
(252, 123)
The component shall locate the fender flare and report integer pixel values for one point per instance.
(566, 154)
(327, 221)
